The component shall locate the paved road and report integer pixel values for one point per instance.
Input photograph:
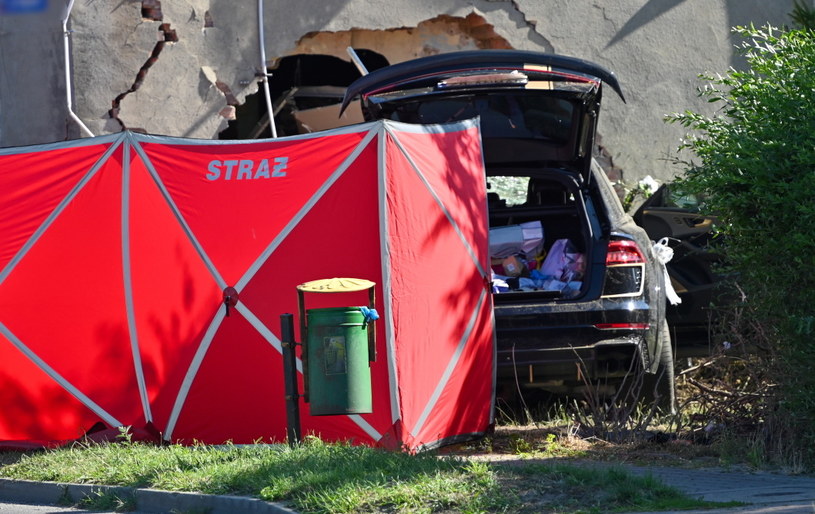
(765, 493)
(145, 500)
(24, 508)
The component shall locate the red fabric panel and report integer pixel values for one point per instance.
(339, 237)
(436, 284)
(174, 295)
(233, 216)
(453, 164)
(33, 406)
(465, 404)
(65, 300)
(32, 183)
(237, 394)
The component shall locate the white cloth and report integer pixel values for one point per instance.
(664, 254)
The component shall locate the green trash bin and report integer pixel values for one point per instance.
(339, 346)
(339, 376)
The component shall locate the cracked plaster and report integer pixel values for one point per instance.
(656, 47)
(175, 97)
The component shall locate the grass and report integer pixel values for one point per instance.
(314, 477)
(108, 501)
(322, 477)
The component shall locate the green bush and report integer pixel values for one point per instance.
(755, 163)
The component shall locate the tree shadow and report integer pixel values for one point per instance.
(652, 10)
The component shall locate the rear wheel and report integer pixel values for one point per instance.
(661, 387)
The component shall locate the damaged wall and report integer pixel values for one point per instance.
(184, 67)
(430, 37)
(167, 67)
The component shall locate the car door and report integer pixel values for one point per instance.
(694, 268)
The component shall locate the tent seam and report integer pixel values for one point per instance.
(387, 286)
(441, 205)
(127, 280)
(451, 365)
(59, 379)
(32, 240)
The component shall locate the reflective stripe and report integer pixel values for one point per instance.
(128, 286)
(59, 379)
(192, 371)
(57, 211)
(364, 425)
(451, 365)
(390, 343)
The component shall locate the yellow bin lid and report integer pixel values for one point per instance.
(336, 285)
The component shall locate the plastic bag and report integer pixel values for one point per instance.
(563, 262)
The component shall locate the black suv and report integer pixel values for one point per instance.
(578, 294)
(697, 270)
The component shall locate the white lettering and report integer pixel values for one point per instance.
(229, 165)
(214, 170)
(263, 169)
(281, 163)
(246, 169)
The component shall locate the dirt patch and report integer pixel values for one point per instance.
(519, 444)
(7, 458)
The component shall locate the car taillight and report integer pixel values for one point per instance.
(622, 326)
(623, 251)
(625, 269)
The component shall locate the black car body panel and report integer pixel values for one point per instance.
(538, 116)
(564, 93)
(397, 76)
(696, 269)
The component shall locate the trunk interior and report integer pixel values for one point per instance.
(538, 235)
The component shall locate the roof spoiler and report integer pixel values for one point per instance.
(441, 63)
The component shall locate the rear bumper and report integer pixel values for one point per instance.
(562, 341)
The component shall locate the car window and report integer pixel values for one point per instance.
(682, 200)
(502, 115)
(508, 191)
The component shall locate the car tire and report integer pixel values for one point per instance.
(660, 387)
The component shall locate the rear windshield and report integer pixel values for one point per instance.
(509, 191)
(525, 116)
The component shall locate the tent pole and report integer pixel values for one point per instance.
(67, 58)
(264, 70)
(358, 62)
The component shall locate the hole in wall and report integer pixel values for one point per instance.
(306, 85)
(151, 10)
(306, 91)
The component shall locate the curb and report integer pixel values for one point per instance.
(145, 500)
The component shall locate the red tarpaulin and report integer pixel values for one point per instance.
(115, 253)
